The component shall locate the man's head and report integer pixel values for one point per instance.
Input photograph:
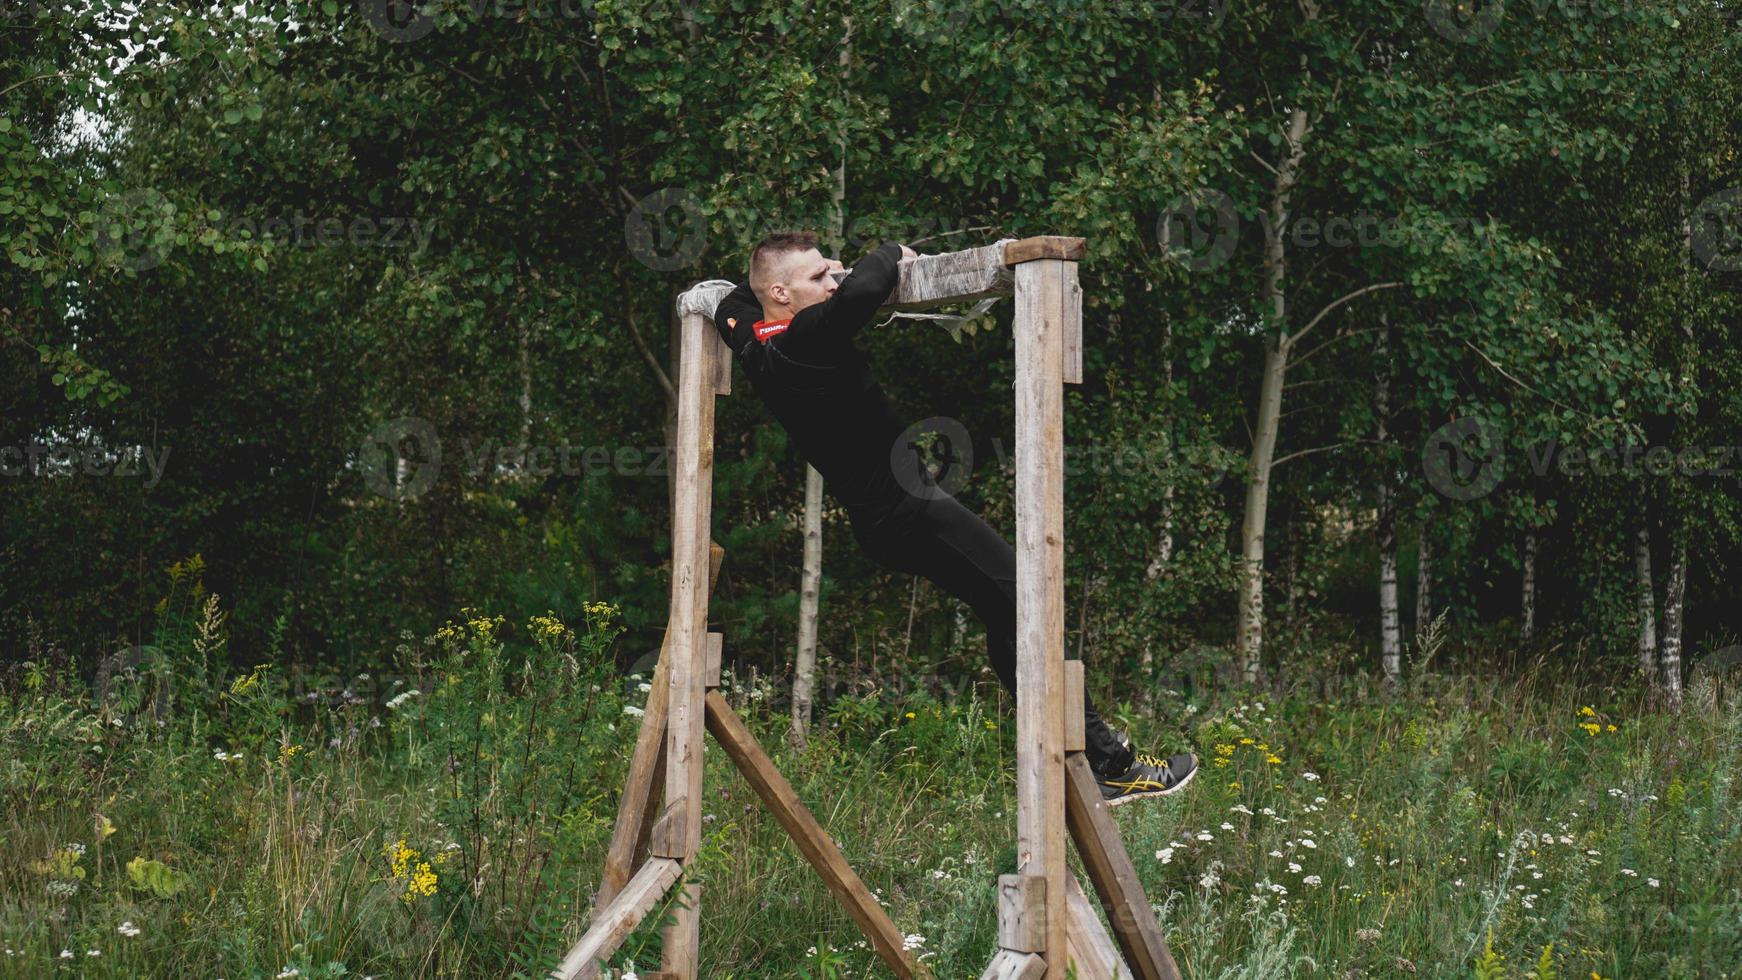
(788, 274)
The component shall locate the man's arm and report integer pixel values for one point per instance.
(734, 315)
(818, 332)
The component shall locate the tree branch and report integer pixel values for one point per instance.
(1508, 376)
(1319, 449)
(1333, 304)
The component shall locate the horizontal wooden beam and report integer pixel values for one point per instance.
(934, 280)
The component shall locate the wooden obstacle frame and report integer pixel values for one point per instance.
(1046, 923)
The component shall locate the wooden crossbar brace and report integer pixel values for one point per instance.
(1046, 922)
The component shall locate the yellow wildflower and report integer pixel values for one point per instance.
(547, 626)
(1246, 741)
(1588, 712)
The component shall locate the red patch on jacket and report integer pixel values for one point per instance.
(766, 330)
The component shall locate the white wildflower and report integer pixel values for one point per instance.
(1312, 880)
(127, 929)
(1164, 855)
(633, 711)
(1205, 835)
(1311, 777)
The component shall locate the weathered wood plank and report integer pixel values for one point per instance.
(1040, 600)
(818, 848)
(616, 920)
(640, 801)
(1075, 737)
(667, 838)
(1092, 950)
(688, 618)
(1012, 965)
(926, 282)
(716, 648)
(1022, 913)
(1062, 247)
(1115, 878)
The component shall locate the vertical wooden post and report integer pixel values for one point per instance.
(1045, 310)
(692, 504)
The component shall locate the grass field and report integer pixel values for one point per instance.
(200, 822)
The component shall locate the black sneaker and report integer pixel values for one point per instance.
(1148, 776)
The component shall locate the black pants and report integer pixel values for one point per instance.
(951, 546)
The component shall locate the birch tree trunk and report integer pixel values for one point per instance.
(1674, 604)
(1646, 603)
(1390, 629)
(805, 672)
(1527, 631)
(810, 579)
(1424, 578)
(1249, 624)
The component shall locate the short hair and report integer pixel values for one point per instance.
(765, 259)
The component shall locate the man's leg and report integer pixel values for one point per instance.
(961, 554)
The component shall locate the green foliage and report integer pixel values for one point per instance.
(156, 877)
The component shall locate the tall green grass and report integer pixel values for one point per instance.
(204, 822)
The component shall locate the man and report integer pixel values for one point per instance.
(792, 328)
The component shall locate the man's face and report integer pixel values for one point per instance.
(805, 281)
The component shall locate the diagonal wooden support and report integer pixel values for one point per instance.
(635, 811)
(1092, 951)
(616, 920)
(1114, 876)
(818, 848)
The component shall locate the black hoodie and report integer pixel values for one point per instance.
(820, 387)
